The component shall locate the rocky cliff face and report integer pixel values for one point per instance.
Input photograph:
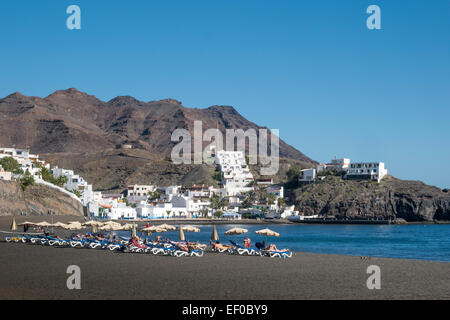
(35, 200)
(409, 200)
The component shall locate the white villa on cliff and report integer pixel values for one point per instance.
(367, 170)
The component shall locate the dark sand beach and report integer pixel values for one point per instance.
(39, 272)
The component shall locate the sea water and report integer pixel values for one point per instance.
(417, 241)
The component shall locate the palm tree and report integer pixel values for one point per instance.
(281, 202)
(223, 203)
(204, 212)
(168, 213)
(271, 198)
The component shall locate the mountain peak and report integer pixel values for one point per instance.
(124, 100)
(16, 95)
(68, 92)
(172, 101)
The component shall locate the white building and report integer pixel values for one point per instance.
(121, 211)
(75, 183)
(27, 162)
(367, 170)
(289, 212)
(199, 192)
(340, 164)
(307, 175)
(139, 190)
(235, 171)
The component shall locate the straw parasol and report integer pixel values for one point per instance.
(187, 229)
(14, 225)
(111, 227)
(133, 231)
(94, 228)
(214, 235)
(154, 229)
(267, 232)
(168, 227)
(26, 223)
(236, 231)
(60, 225)
(113, 224)
(93, 223)
(43, 224)
(127, 226)
(190, 229)
(181, 234)
(74, 225)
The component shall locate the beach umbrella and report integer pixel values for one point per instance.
(214, 235)
(14, 225)
(94, 228)
(127, 226)
(59, 225)
(110, 227)
(74, 225)
(181, 234)
(26, 223)
(236, 231)
(267, 232)
(154, 229)
(168, 227)
(133, 231)
(187, 229)
(93, 223)
(44, 224)
(190, 229)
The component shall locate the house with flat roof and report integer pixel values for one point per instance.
(366, 171)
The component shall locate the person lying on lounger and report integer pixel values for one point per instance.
(273, 247)
(218, 245)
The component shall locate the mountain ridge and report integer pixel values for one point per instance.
(74, 122)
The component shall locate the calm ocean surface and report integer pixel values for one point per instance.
(425, 242)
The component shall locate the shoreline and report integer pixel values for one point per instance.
(5, 220)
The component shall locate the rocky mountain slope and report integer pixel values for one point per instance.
(409, 200)
(35, 200)
(75, 130)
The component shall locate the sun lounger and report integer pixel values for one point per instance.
(279, 254)
(242, 250)
(16, 239)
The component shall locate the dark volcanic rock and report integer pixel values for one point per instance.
(409, 200)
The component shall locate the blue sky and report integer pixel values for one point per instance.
(309, 68)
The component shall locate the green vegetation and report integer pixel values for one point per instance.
(218, 213)
(217, 175)
(26, 180)
(77, 193)
(204, 212)
(48, 176)
(154, 195)
(294, 173)
(271, 198)
(10, 164)
(249, 199)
